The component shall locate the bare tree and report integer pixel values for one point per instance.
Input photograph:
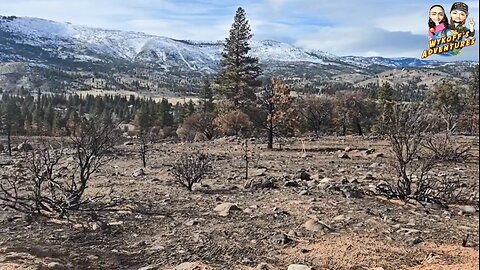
(48, 185)
(191, 168)
(407, 128)
(415, 158)
(145, 138)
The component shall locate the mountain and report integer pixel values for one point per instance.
(63, 55)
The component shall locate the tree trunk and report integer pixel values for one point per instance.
(270, 135)
(9, 141)
(359, 129)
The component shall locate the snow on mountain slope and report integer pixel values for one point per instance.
(84, 44)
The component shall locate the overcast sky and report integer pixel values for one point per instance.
(364, 28)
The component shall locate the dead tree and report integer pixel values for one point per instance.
(191, 168)
(408, 131)
(93, 144)
(49, 185)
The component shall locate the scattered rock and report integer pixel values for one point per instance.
(370, 151)
(24, 147)
(55, 266)
(369, 176)
(280, 239)
(303, 175)
(128, 143)
(326, 180)
(138, 173)
(225, 209)
(259, 172)
(263, 266)
(190, 266)
(291, 183)
(316, 226)
(343, 155)
(348, 149)
(303, 192)
(298, 267)
(468, 209)
(355, 194)
(414, 241)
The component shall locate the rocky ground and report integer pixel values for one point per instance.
(304, 210)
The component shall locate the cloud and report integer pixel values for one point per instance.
(374, 27)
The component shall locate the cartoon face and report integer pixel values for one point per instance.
(437, 14)
(458, 15)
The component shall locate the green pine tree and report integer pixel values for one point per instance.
(238, 79)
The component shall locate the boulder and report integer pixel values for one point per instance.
(225, 209)
(24, 147)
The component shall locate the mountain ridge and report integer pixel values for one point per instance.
(67, 48)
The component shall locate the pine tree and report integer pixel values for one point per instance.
(238, 75)
(206, 98)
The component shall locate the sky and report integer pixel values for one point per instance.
(362, 28)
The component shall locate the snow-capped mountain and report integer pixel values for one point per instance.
(65, 47)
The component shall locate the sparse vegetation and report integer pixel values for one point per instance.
(191, 169)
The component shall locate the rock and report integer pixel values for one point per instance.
(138, 173)
(225, 209)
(305, 155)
(298, 267)
(191, 223)
(263, 266)
(56, 266)
(291, 183)
(303, 175)
(315, 177)
(259, 172)
(343, 155)
(414, 241)
(379, 155)
(24, 147)
(355, 194)
(280, 239)
(348, 149)
(369, 176)
(326, 180)
(303, 192)
(316, 226)
(190, 266)
(468, 209)
(128, 143)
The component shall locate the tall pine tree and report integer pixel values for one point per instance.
(239, 72)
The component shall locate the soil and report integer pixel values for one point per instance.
(329, 217)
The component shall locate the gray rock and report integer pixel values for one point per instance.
(138, 173)
(316, 226)
(303, 192)
(226, 209)
(343, 155)
(280, 239)
(56, 266)
(24, 147)
(298, 267)
(414, 241)
(259, 172)
(189, 266)
(468, 209)
(291, 183)
(303, 175)
(263, 266)
(128, 143)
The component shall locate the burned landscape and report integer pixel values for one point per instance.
(315, 205)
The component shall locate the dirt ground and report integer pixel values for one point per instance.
(331, 220)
